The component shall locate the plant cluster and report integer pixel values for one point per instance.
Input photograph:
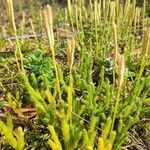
(93, 99)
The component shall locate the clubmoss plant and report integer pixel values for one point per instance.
(93, 91)
(49, 30)
(107, 139)
(54, 142)
(13, 138)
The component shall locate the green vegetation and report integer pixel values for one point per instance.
(75, 77)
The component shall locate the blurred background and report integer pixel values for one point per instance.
(61, 2)
(32, 6)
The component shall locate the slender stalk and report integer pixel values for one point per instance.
(146, 43)
(120, 82)
(10, 13)
(96, 24)
(70, 13)
(70, 57)
(114, 30)
(49, 30)
(144, 12)
(33, 29)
